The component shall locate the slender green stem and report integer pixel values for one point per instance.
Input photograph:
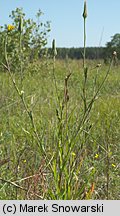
(84, 52)
(19, 187)
(85, 77)
(21, 60)
(85, 116)
(107, 172)
(84, 69)
(21, 95)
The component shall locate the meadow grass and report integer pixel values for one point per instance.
(82, 165)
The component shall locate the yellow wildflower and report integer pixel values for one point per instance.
(24, 161)
(73, 154)
(96, 156)
(10, 27)
(113, 165)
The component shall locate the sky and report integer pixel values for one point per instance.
(103, 19)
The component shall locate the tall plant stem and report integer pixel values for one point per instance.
(84, 52)
(21, 95)
(107, 170)
(85, 70)
(21, 59)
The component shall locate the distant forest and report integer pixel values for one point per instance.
(104, 53)
(77, 53)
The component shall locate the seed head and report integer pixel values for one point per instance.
(85, 10)
(114, 53)
(22, 93)
(98, 65)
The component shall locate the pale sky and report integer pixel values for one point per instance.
(66, 19)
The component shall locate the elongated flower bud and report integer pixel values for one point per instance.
(54, 50)
(85, 10)
(20, 27)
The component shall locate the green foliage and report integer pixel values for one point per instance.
(113, 45)
(115, 41)
(25, 41)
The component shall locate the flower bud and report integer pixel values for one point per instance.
(54, 50)
(20, 27)
(85, 10)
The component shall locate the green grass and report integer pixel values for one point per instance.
(69, 167)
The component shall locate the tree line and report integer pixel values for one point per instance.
(77, 53)
(92, 53)
(104, 53)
